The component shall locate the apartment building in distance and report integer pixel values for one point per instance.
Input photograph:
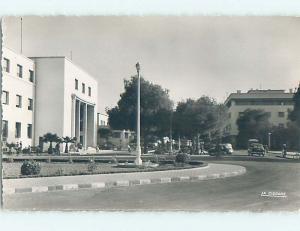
(47, 94)
(277, 103)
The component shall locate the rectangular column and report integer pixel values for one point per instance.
(73, 125)
(85, 126)
(91, 126)
(77, 122)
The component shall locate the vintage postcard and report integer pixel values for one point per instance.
(150, 113)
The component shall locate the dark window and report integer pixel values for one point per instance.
(4, 128)
(20, 71)
(116, 135)
(6, 65)
(281, 114)
(29, 131)
(90, 91)
(31, 76)
(83, 88)
(18, 130)
(5, 97)
(19, 101)
(76, 84)
(30, 104)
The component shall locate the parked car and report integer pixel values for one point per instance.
(221, 149)
(256, 149)
(228, 148)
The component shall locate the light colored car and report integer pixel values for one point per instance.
(228, 148)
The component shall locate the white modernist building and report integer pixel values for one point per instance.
(53, 95)
(18, 98)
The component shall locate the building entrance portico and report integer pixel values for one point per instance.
(83, 124)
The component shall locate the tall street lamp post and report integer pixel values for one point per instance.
(138, 160)
(171, 133)
(269, 140)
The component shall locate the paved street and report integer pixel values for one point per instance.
(240, 193)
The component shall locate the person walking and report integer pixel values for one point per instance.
(284, 150)
(57, 148)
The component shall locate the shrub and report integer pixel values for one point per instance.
(59, 172)
(114, 160)
(181, 158)
(26, 151)
(91, 167)
(155, 159)
(30, 168)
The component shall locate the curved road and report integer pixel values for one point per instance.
(240, 193)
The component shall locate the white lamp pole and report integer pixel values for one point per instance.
(269, 140)
(138, 160)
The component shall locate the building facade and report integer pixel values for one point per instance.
(277, 103)
(102, 119)
(47, 94)
(18, 98)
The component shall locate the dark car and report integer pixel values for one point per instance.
(256, 149)
(220, 149)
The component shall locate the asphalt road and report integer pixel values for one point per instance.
(241, 193)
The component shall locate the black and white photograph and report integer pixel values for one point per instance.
(154, 113)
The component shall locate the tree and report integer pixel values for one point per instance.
(295, 114)
(156, 108)
(285, 135)
(10, 147)
(253, 124)
(50, 137)
(68, 140)
(199, 118)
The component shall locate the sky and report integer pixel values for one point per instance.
(189, 55)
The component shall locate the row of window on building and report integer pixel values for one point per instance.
(263, 102)
(82, 87)
(280, 114)
(6, 68)
(18, 130)
(5, 100)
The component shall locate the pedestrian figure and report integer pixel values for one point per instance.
(57, 149)
(17, 148)
(284, 150)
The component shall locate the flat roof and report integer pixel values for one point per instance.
(260, 94)
(17, 53)
(63, 57)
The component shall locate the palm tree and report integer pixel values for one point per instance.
(10, 146)
(68, 140)
(50, 137)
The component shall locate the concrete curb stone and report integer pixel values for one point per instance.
(123, 183)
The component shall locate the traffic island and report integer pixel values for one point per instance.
(103, 181)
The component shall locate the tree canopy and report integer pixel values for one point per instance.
(295, 114)
(201, 116)
(156, 108)
(253, 124)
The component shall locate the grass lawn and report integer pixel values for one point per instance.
(13, 170)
